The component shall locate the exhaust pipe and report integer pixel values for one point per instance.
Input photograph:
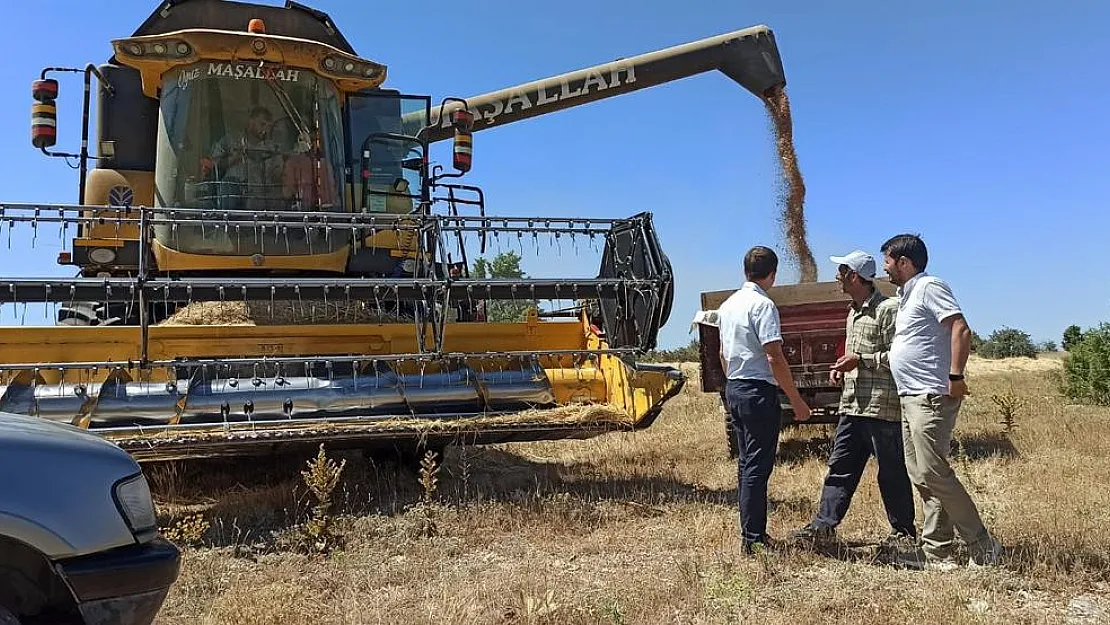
(749, 56)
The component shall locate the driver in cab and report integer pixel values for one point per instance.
(253, 159)
(250, 157)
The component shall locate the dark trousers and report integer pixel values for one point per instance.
(858, 438)
(756, 421)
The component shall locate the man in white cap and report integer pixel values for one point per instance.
(870, 422)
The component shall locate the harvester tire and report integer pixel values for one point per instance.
(76, 315)
(730, 431)
(84, 314)
(73, 321)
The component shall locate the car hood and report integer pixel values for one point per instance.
(56, 484)
(25, 433)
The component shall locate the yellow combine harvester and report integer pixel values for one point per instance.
(247, 158)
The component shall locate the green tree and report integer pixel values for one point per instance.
(689, 353)
(504, 265)
(1046, 346)
(976, 342)
(1072, 336)
(1087, 367)
(1008, 343)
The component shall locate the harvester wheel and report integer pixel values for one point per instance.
(730, 431)
(73, 321)
(76, 315)
(85, 314)
(98, 314)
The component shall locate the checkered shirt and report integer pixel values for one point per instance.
(869, 389)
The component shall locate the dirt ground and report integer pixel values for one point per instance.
(642, 528)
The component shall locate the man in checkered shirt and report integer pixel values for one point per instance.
(871, 413)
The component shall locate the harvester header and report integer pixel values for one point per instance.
(265, 253)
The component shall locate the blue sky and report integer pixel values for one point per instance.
(982, 126)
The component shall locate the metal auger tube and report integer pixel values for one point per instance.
(129, 405)
(749, 56)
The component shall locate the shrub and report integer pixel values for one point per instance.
(1072, 335)
(976, 342)
(1009, 405)
(689, 353)
(321, 476)
(1008, 343)
(1087, 367)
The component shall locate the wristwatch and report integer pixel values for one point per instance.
(955, 377)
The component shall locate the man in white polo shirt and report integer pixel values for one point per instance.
(931, 345)
(755, 366)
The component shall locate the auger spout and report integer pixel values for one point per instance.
(749, 56)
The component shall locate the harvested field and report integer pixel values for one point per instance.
(1044, 363)
(641, 528)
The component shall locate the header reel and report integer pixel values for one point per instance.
(184, 390)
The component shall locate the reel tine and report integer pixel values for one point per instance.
(35, 227)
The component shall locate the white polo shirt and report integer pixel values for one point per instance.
(747, 321)
(921, 353)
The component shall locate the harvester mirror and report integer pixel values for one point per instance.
(463, 121)
(44, 113)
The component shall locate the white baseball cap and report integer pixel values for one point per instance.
(859, 262)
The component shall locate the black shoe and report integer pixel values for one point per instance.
(815, 534)
(899, 540)
(751, 549)
(754, 547)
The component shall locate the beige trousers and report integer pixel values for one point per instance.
(927, 424)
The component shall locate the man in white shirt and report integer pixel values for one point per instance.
(756, 368)
(931, 345)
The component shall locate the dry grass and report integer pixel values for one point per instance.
(641, 528)
(579, 415)
(1043, 363)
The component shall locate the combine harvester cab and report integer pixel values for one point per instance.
(266, 255)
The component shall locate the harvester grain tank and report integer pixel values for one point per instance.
(246, 158)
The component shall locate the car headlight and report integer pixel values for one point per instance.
(133, 498)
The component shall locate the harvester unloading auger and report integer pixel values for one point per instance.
(247, 157)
